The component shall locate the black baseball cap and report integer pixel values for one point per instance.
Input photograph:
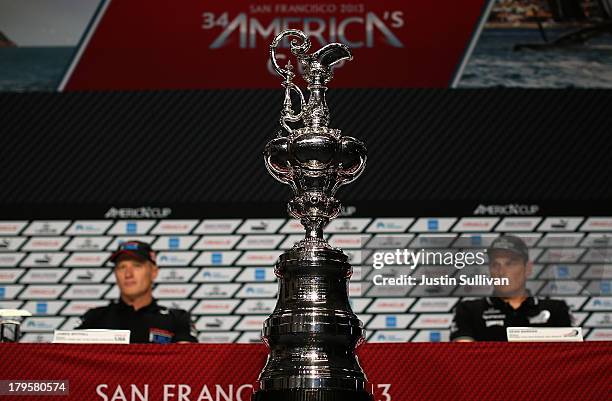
(509, 243)
(136, 249)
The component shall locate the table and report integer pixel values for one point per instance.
(398, 372)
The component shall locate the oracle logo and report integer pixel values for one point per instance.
(601, 223)
(45, 243)
(353, 241)
(476, 224)
(178, 291)
(217, 242)
(391, 304)
(599, 269)
(42, 291)
(261, 257)
(215, 307)
(431, 320)
(85, 291)
(174, 226)
(82, 307)
(87, 258)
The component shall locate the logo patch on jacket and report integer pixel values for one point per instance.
(160, 336)
(540, 318)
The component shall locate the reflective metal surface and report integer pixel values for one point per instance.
(9, 330)
(312, 333)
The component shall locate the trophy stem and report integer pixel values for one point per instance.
(317, 112)
(314, 228)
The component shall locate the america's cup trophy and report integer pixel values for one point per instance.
(312, 333)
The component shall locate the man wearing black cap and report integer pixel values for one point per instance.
(135, 270)
(510, 305)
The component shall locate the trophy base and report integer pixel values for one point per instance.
(312, 395)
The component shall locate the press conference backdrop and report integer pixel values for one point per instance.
(221, 269)
(205, 44)
(184, 171)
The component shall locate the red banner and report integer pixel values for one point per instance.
(398, 372)
(186, 44)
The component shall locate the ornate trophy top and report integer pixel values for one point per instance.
(314, 160)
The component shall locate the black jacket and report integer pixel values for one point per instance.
(486, 319)
(151, 324)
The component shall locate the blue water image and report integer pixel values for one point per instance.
(28, 69)
(495, 63)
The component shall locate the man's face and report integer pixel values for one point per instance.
(135, 276)
(506, 264)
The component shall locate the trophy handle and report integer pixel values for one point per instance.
(288, 115)
(297, 48)
(353, 157)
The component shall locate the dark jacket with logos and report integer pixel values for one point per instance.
(486, 319)
(150, 324)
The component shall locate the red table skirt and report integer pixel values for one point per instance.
(397, 372)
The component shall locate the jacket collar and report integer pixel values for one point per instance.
(152, 306)
(498, 302)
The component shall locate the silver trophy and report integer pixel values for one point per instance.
(312, 333)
